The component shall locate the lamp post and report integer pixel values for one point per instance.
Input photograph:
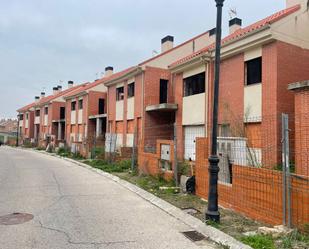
(17, 134)
(212, 212)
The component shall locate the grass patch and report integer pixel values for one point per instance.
(118, 167)
(293, 240)
(259, 241)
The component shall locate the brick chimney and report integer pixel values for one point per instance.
(212, 35)
(70, 84)
(167, 43)
(235, 24)
(55, 90)
(109, 71)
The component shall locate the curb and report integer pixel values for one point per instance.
(208, 231)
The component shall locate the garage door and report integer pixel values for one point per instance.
(191, 133)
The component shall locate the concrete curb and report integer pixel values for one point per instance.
(196, 224)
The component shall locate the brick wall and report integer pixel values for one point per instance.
(255, 192)
(302, 132)
(93, 106)
(148, 163)
(178, 97)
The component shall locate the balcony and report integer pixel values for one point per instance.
(165, 107)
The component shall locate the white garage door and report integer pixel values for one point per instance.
(191, 133)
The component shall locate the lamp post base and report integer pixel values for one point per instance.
(212, 212)
(213, 216)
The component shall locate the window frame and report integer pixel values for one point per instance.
(249, 63)
(80, 104)
(46, 110)
(120, 94)
(191, 84)
(131, 90)
(73, 104)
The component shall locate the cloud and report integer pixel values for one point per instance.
(44, 42)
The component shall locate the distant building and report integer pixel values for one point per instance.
(8, 125)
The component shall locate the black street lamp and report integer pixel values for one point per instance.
(17, 133)
(212, 212)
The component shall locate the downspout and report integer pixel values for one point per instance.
(143, 104)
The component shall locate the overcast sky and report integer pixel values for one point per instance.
(45, 42)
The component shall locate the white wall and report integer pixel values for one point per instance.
(46, 119)
(194, 71)
(130, 138)
(80, 116)
(37, 120)
(294, 28)
(73, 117)
(119, 110)
(130, 108)
(253, 102)
(119, 140)
(193, 111)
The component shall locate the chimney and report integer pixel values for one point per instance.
(235, 24)
(55, 90)
(291, 3)
(70, 83)
(59, 88)
(109, 71)
(37, 99)
(167, 43)
(42, 94)
(212, 35)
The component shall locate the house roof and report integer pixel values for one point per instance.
(129, 70)
(174, 48)
(50, 98)
(26, 108)
(63, 93)
(119, 75)
(239, 34)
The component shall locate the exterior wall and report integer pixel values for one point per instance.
(156, 125)
(130, 108)
(196, 103)
(294, 28)
(253, 101)
(93, 106)
(119, 110)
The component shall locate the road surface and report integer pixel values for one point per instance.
(74, 208)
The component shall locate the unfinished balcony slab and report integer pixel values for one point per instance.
(98, 116)
(166, 107)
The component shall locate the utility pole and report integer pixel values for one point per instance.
(212, 212)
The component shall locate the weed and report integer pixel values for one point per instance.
(259, 241)
(213, 224)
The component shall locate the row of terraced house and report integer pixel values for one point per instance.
(264, 73)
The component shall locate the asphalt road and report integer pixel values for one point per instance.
(76, 208)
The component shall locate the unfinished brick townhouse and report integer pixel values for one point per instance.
(141, 100)
(258, 64)
(86, 116)
(26, 123)
(43, 121)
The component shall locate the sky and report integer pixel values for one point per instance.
(46, 43)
